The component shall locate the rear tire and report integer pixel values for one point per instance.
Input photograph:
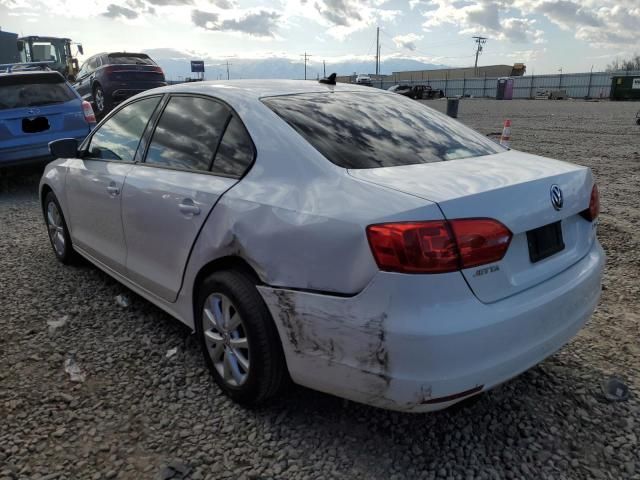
(58, 231)
(100, 100)
(239, 340)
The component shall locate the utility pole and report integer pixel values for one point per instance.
(377, 50)
(305, 63)
(480, 41)
(324, 69)
(228, 68)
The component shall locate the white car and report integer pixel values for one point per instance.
(364, 80)
(351, 239)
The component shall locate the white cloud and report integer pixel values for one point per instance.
(494, 18)
(602, 23)
(407, 41)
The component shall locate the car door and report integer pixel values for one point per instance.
(94, 183)
(83, 82)
(169, 196)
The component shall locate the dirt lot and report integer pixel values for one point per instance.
(138, 411)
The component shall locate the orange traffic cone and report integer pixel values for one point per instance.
(505, 139)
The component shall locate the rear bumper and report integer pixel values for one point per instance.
(35, 152)
(120, 94)
(422, 343)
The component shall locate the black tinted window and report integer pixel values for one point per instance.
(131, 59)
(235, 153)
(33, 90)
(188, 133)
(368, 130)
(118, 137)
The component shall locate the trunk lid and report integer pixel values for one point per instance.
(515, 189)
(28, 125)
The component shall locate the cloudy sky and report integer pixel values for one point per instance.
(545, 34)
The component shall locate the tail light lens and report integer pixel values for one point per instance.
(480, 240)
(437, 246)
(87, 110)
(593, 211)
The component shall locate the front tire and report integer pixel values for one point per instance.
(239, 340)
(58, 232)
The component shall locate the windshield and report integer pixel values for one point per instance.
(33, 91)
(130, 59)
(369, 130)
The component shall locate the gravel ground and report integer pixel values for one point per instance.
(138, 411)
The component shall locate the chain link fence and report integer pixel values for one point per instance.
(576, 85)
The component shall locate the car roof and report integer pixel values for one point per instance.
(32, 72)
(256, 89)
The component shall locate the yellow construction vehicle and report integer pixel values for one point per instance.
(51, 49)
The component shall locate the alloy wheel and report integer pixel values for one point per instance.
(226, 339)
(56, 228)
(99, 99)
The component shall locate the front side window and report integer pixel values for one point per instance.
(235, 154)
(118, 138)
(369, 130)
(188, 133)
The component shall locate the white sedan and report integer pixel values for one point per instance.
(350, 239)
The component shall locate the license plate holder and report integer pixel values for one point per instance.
(545, 241)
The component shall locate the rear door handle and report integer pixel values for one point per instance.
(113, 189)
(188, 207)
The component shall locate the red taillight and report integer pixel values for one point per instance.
(89, 116)
(593, 211)
(437, 246)
(480, 240)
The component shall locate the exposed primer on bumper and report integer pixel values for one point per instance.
(331, 337)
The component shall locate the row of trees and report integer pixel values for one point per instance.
(632, 63)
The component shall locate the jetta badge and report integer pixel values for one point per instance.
(556, 197)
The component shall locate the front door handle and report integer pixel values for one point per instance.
(188, 207)
(113, 189)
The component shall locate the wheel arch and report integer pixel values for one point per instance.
(230, 262)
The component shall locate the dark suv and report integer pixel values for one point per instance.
(107, 79)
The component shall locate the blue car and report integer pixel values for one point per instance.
(38, 107)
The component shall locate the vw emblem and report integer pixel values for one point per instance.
(556, 197)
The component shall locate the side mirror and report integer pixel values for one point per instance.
(64, 148)
(80, 49)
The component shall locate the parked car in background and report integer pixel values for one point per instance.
(106, 79)
(364, 80)
(37, 107)
(404, 261)
(417, 92)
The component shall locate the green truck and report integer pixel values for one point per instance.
(625, 87)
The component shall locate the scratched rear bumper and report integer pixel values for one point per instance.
(406, 341)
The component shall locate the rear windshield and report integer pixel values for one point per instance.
(130, 59)
(20, 91)
(369, 130)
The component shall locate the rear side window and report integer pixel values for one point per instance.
(369, 130)
(188, 133)
(129, 59)
(235, 154)
(33, 90)
(118, 138)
